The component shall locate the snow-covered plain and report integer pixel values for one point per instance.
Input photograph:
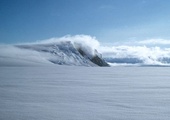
(84, 93)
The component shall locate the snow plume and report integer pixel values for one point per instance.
(86, 42)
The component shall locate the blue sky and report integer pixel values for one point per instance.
(108, 20)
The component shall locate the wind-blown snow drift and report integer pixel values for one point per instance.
(83, 50)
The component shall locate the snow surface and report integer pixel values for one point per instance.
(84, 93)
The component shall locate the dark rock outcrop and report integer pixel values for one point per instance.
(100, 62)
(94, 59)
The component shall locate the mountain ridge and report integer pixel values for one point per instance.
(67, 53)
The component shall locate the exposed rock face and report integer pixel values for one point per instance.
(100, 62)
(95, 59)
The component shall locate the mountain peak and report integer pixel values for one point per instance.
(67, 53)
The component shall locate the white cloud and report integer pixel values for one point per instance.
(86, 39)
(87, 42)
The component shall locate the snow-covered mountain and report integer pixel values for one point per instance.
(61, 53)
(84, 50)
(67, 53)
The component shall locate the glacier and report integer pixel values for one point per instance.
(84, 93)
